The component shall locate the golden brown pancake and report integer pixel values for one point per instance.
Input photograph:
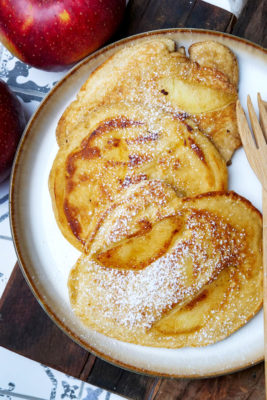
(225, 134)
(215, 55)
(122, 145)
(170, 260)
(196, 285)
(154, 73)
(132, 215)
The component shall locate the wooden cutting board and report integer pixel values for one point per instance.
(24, 326)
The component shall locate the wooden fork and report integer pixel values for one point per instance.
(256, 150)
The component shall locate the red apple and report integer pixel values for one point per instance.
(12, 123)
(50, 34)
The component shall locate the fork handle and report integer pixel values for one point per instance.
(264, 215)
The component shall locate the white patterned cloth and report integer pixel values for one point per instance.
(19, 376)
(233, 6)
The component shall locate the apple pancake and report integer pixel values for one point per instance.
(121, 145)
(154, 73)
(215, 55)
(194, 286)
(133, 213)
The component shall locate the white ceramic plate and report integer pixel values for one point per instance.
(46, 257)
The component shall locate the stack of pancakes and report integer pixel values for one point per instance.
(139, 186)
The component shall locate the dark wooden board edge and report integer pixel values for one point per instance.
(143, 16)
(252, 23)
(27, 330)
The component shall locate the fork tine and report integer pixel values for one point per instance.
(258, 134)
(243, 128)
(263, 115)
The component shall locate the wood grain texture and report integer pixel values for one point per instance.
(115, 379)
(248, 384)
(204, 16)
(26, 329)
(147, 15)
(252, 23)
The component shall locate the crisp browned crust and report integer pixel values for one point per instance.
(165, 78)
(215, 55)
(229, 194)
(206, 283)
(138, 185)
(120, 146)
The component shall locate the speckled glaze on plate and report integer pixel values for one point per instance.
(46, 257)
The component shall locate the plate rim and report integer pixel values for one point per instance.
(23, 265)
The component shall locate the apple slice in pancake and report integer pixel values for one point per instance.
(119, 146)
(235, 296)
(221, 124)
(154, 73)
(136, 210)
(215, 55)
(161, 275)
(206, 283)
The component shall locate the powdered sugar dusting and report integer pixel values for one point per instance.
(139, 298)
